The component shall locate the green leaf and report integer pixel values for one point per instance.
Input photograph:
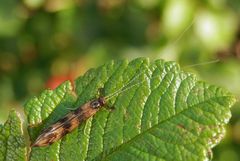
(169, 116)
(12, 142)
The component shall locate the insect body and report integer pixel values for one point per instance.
(69, 122)
(76, 117)
(73, 119)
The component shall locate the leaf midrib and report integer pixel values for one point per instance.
(140, 134)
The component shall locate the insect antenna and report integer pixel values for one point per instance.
(202, 63)
(126, 87)
(122, 88)
(180, 36)
(183, 32)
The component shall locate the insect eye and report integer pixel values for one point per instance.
(95, 104)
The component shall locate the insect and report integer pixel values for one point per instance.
(72, 120)
(69, 122)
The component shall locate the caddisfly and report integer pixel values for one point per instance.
(73, 119)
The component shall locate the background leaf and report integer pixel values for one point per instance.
(170, 116)
(12, 142)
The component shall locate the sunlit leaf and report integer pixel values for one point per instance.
(168, 116)
(12, 142)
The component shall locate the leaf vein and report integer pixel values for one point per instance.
(135, 137)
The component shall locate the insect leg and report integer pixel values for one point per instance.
(71, 109)
(101, 92)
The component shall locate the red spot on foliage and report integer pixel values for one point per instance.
(55, 81)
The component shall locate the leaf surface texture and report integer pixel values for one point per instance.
(166, 114)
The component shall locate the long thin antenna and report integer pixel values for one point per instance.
(182, 33)
(179, 37)
(203, 63)
(123, 90)
(134, 78)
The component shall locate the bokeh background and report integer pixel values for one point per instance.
(44, 42)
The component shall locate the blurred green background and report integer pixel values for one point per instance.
(44, 42)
